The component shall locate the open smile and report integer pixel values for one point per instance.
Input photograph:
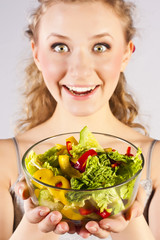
(80, 91)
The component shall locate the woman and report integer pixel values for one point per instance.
(80, 51)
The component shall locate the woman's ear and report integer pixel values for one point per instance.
(35, 54)
(128, 53)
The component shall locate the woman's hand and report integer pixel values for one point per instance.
(117, 223)
(47, 221)
(52, 221)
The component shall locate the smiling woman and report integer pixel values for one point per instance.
(76, 78)
(82, 64)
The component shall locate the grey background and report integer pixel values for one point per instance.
(142, 72)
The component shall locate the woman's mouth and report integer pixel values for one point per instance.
(80, 91)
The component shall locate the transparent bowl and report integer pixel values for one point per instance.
(118, 197)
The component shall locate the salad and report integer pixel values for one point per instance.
(81, 179)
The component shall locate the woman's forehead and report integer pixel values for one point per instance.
(95, 17)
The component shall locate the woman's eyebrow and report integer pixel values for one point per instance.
(57, 35)
(105, 34)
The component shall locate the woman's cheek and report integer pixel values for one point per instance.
(110, 65)
(52, 72)
(110, 73)
(115, 65)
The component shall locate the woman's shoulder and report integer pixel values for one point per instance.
(151, 151)
(155, 164)
(34, 134)
(8, 169)
(136, 137)
(8, 154)
(7, 150)
(150, 146)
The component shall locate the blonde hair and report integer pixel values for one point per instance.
(40, 104)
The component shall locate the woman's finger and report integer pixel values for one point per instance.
(35, 214)
(62, 228)
(137, 207)
(82, 231)
(96, 230)
(47, 221)
(114, 224)
(52, 223)
(141, 199)
(22, 190)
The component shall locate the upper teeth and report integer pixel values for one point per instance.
(80, 89)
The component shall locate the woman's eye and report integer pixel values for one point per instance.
(101, 47)
(60, 48)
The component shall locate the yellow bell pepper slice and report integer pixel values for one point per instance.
(69, 213)
(36, 192)
(59, 194)
(72, 140)
(61, 149)
(74, 160)
(66, 166)
(57, 179)
(42, 175)
(108, 149)
(46, 176)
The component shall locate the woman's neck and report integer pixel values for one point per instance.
(101, 121)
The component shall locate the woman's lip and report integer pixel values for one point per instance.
(80, 85)
(81, 95)
(80, 89)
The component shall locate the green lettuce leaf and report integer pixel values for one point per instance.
(49, 160)
(99, 173)
(56, 171)
(50, 156)
(78, 150)
(32, 163)
(88, 140)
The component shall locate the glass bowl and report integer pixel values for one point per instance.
(79, 204)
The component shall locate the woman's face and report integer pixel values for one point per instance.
(81, 51)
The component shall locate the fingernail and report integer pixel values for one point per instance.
(105, 226)
(20, 191)
(93, 229)
(53, 217)
(43, 213)
(61, 228)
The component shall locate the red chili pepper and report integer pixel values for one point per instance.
(115, 164)
(69, 147)
(128, 153)
(84, 211)
(103, 214)
(81, 163)
(59, 184)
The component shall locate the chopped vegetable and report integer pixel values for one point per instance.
(84, 166)
(82, 161)
(104, 214)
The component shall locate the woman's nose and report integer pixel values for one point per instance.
(80, 64)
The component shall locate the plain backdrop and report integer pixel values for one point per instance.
(142, 72)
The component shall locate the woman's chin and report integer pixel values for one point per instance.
(82, 111)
